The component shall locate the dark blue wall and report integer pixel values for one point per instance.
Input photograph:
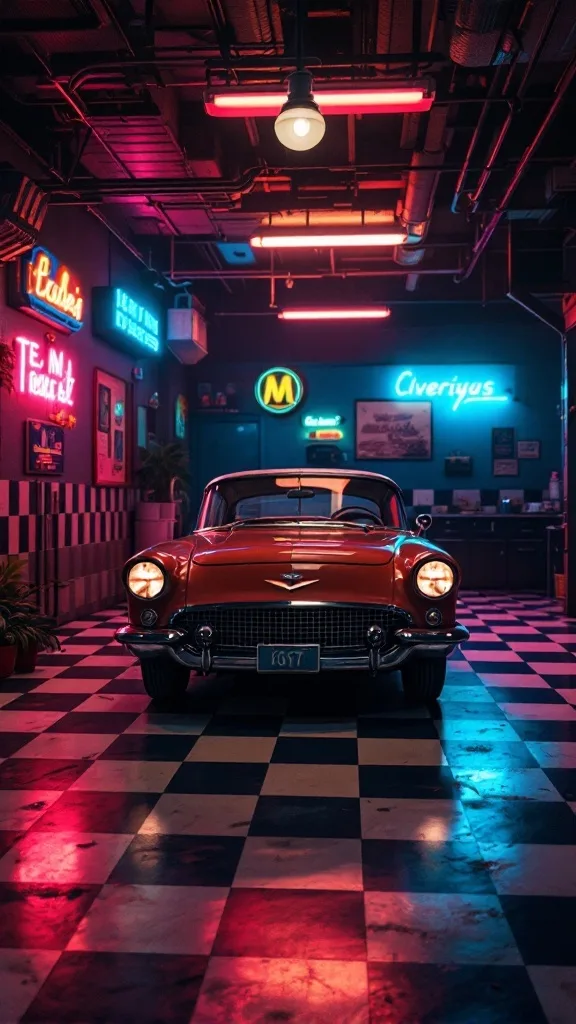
(520, 355)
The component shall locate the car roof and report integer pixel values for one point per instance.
(285, 471)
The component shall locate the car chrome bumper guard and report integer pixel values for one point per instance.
(407, 643)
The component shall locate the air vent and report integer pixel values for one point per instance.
(22, 211)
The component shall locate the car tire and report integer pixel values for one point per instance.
(164, 680)
(423, 679)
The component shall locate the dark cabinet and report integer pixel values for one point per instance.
(526, 564)
(496, 552)
(482, 562)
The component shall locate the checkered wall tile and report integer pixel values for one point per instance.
(81, 514)
(76, 533)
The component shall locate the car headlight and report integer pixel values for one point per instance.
(435, 579)
(145, 579)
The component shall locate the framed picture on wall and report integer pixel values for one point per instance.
(393, 430)
(110, 443)
(528, 449)
(505, 467)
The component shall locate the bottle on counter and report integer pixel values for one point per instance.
(554, 490)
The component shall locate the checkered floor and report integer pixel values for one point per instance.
(320, 854)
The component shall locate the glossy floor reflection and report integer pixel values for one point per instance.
(320, 854)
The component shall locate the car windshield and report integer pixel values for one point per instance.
(303, 498)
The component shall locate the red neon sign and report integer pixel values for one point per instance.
(51, 378)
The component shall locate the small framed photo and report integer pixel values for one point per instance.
(505, 467)
(528, 449)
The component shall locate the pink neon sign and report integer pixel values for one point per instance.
(52, 378)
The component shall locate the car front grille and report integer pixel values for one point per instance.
(330, 626)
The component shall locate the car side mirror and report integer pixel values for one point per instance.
(423, 522)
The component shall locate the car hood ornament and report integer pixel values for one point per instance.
(291, 581)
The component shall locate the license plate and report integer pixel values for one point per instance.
(272, 658)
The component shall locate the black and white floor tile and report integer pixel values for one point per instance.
(318, 854)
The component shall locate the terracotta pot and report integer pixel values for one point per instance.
(7, 661)
(26, 659)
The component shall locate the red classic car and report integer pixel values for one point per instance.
(294, 571)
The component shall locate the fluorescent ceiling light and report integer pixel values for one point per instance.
(375, 313)
(310, 240)
(239, 102)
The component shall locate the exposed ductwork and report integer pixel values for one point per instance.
(478, 28)
(420, 189)
(255, 19)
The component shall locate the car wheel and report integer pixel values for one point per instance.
(164, 679)
(423, 678)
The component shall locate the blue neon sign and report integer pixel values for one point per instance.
(471, 385)
(136, 321)
(126, 321)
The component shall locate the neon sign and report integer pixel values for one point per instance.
(48, 290)
(460, 391)
(325, 435)
(279, 390)
(123, 320)
(52, 379)
(329, 422)
(136, 321)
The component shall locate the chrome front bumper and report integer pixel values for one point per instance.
(408, 643)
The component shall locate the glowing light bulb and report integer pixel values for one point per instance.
(301, 127)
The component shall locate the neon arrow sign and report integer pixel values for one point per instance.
(52, 379)
(461, 391)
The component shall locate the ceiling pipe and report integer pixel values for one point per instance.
(502, 134)
(420, 191)
(492, 95)
(252, 275)
(561, 90)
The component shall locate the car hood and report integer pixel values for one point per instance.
(271, 545)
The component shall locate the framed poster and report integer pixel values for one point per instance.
(110, 429)
(528, 449)
(505, 467)
(43, 448)
(393, 430)
(180, 417)
(503, 443)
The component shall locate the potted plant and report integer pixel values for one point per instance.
(32, 634)
(163, 467)
(30, 631)
(8, 649)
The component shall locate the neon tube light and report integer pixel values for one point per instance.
(236, 103)
(463, 392)
(53, 379)
(334, 314)
(332, 241)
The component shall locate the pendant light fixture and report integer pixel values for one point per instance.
(300, 125)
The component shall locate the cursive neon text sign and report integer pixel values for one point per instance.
(52, 293)
(461, 392)
(51, 378)
(322, 421)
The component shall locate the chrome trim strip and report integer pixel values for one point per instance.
(290, 604)
(129, 635)
(453, 635)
